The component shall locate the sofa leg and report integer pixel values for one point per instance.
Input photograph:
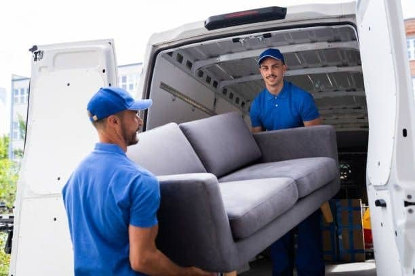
(328, 216)
(233, 273)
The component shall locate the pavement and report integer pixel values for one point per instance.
(262, 266)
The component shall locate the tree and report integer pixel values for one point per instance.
(4, 258)
(22, 130)
(22, 126)
(4, 147)
(8, 176)
(8, 179)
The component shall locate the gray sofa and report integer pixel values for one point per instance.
(226, 194)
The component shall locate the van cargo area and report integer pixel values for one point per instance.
(199, 79)
(221, 75)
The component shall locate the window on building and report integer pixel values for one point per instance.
(124, 79)
(15, 96)
(23, 96)
(16, 131)
(410, 43)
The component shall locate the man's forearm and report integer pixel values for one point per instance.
(156, 263)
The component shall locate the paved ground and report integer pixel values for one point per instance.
(263, 267)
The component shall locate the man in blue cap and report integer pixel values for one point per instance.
(283, 105)
(111, 202)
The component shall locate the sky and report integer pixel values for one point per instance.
(24, 23)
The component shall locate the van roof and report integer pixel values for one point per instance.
(294, 14)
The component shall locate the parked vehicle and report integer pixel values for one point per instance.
(351, 56)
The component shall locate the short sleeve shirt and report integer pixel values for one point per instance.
(289, 109)
(104, 195)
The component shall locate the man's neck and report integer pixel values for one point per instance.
(112, 139)
(275, 90)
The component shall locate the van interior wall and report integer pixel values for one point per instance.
(179, 97)
(204, 79)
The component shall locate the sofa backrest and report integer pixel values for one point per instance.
(223, 142)
(165, 150)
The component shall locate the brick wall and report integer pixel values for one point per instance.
(410, 27)
(410, 32)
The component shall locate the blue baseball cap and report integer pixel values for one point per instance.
(272, 53)
(111, 100)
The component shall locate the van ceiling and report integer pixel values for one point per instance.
(323, 60)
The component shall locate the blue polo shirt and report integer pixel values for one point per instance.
(104, 195)
(290, 108)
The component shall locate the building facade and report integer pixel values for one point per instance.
(19, 97)
(410, 42)
(128, 78)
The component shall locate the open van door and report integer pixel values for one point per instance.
(390, 165)
(59, 134)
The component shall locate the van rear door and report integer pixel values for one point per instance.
(59, 135)
(390, 166)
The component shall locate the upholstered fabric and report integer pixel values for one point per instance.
(221, 226)
(193, 225)
(294, 143)
(261, 239)
(165, 150)
(252, 204)
(223, 142)
(309, 174)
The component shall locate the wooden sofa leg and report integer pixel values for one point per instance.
(328, 216)
(233, 273)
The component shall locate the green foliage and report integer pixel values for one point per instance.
(22, 126)
(4, 258)
(18, 153)
(8, 179)
(4, 147)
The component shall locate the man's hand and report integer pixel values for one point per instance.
(194, 271)
(146, 258)
(257, 129)
(314, 122)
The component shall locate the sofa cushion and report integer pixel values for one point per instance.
(309, 174)
(252, 204)
(165, 150)
(223, 142)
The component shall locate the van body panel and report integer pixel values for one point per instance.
(350, 56)
(382, 223)
(59, 135)
(390, 165)
(380, 90)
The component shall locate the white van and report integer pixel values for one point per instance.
(352, 57)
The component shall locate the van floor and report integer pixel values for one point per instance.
(263, 267)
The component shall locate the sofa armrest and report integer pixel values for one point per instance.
(193, 225)
(302, 142)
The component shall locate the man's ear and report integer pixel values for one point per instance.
(112, 120)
